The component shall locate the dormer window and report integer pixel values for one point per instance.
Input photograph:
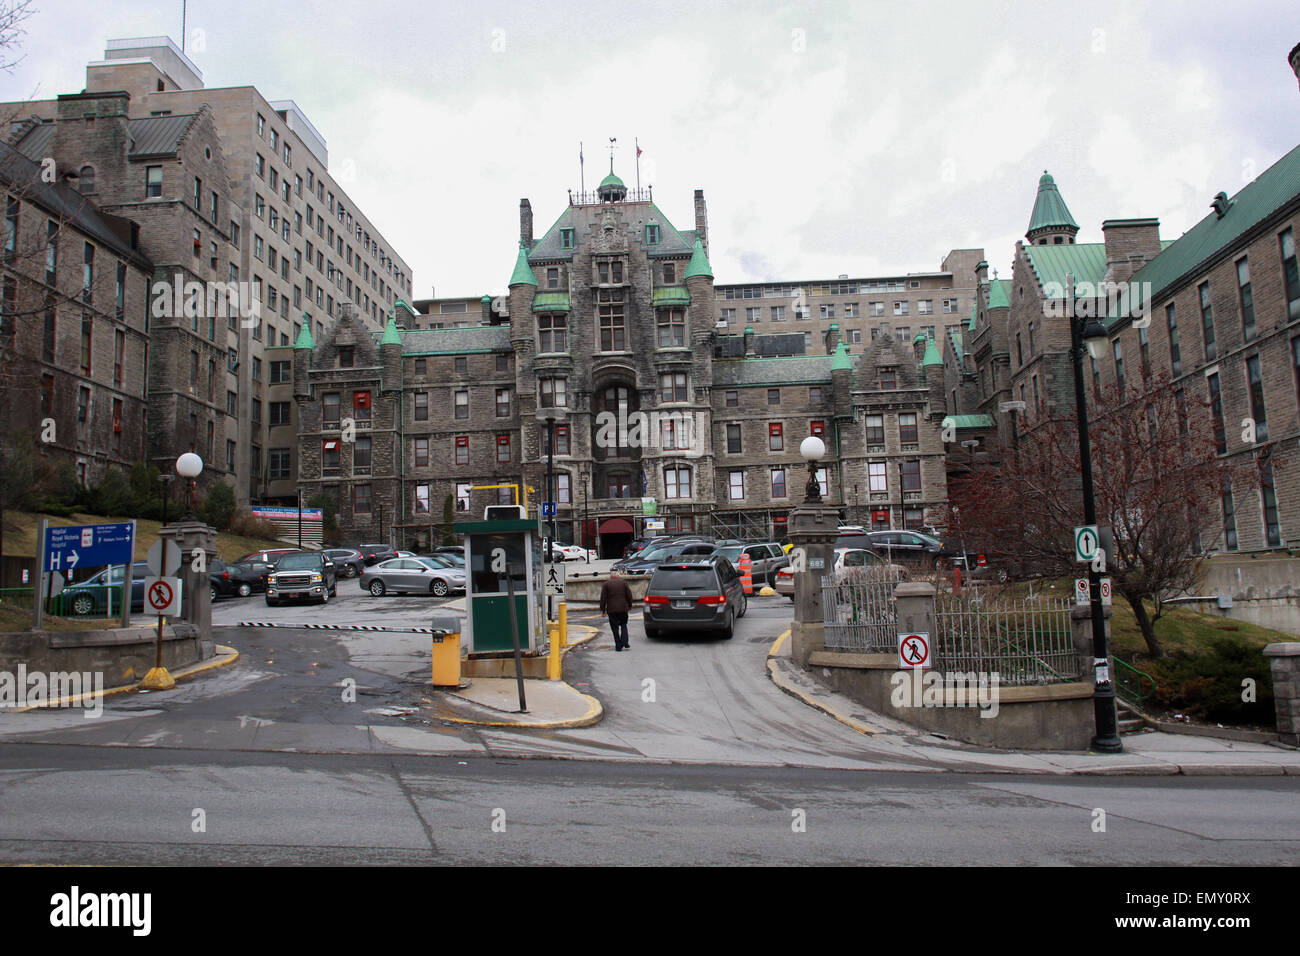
(652, 234)
(888, 379)
(346, 357)
(566, 238)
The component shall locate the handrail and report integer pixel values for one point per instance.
(1129, 682)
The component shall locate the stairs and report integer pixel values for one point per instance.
(1130, 718)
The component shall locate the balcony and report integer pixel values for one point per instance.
(672, 295)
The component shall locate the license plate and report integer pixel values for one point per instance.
(295, 594)
(681, 604)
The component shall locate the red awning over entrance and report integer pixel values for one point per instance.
(616, 526)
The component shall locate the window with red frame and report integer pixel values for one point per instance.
(361, 406)
(775, 437)
(818, 429)
(503, 448)
(462, 449)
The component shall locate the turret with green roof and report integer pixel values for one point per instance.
(391, 335)
(699, 264)
(304, 340)
(1051, 222)
(841, 361)
(523, 274)
(932, 356)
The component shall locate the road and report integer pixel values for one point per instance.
(700, 759)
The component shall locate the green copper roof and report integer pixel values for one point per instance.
(670, 295)
(841, 359)
(486, 298)
(523, 274)
(1213, 237)
(1000, 294)
(932, 356)
(611, 180)
(391, 336)
(1050, 211)
(304, 335)
(551, 302)
(1051, 264)
(699, 264)
(974, 314)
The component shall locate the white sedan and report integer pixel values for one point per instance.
(572, 552)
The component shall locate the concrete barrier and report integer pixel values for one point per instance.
(584, 588)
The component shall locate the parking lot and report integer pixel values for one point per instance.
(351, 605)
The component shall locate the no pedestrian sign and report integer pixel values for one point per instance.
(162, 596)
(913, 650)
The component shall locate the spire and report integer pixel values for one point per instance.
(1051, 222)
(932, 356)
(523, 274)
(841, 360)
(391, 335)
(304, 335)
(699, 264)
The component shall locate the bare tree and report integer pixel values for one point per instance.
(1157, 479)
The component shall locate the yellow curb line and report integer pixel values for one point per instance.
(213, 664)
(796, 693)
(593, 715)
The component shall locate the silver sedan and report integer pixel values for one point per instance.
(412, 575)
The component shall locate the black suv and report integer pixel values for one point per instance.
(302, 575)
(347, 561)
(374, 553)
(695, 594)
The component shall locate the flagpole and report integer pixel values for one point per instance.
(637, 144)
(582, 183)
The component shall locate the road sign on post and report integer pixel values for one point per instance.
(548, 509)
(1086, 542)
(553, 577)
(162, 596)
(1105, 592)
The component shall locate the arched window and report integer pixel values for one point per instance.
(87, 179)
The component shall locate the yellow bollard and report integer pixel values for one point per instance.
(553, 669)
(564, 624)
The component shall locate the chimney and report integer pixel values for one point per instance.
(702, 220)
(1130, 244)
(832, 337)
(525, 221)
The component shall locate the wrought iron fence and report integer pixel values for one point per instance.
(858, 610)
(1024, 642)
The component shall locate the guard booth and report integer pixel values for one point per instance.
(505, 539)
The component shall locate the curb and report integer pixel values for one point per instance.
(225, 657)
(776, 677)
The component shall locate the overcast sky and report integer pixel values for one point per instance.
(865, 138)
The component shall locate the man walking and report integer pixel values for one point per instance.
(616, 601)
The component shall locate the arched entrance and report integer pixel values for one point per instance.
(615, 534)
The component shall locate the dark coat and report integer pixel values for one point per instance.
(615, 597)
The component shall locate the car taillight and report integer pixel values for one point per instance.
(655, 599)
(712, 599)
(785, 574)
(226, 575)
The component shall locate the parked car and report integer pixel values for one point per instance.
(651, 557)
(301, 575)
(454, 559)
(910, 547)
(91, 596)
(221, 580)
(347, 561)
(844, 558)
(420, 575)
(697, 594)
(767, 558)
(374, 553)
(574, 552)
(268, 555)
(251, 575)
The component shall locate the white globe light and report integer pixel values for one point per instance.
(189, 465)
(812, 448)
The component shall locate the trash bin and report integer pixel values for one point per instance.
(446, 651)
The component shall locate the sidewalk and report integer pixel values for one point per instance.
(1149, 754)
(494, 701)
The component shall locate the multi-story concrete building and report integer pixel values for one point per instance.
(228, 186)
(74, 322)
(663, 419)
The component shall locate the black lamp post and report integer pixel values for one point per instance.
(584, 476)
(1090, 335)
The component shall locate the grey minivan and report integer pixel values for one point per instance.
(694, 594)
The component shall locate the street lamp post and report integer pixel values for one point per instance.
(189, 466)
(1091, 336)
(550, 416)
(584, 477)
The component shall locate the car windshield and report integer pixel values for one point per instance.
(298, 562)
(731, 554)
